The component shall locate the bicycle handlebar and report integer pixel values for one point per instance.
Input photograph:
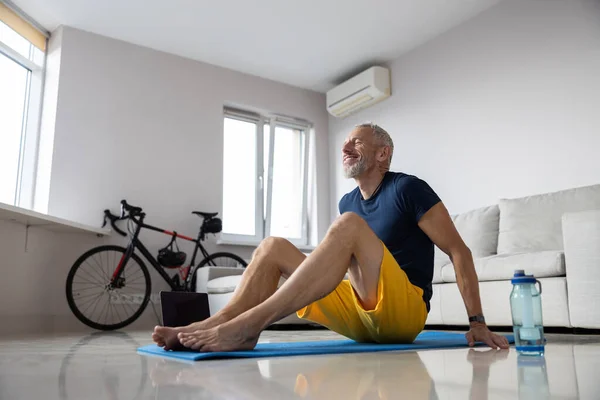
(132, 210)
(127, 211)
(113, 218)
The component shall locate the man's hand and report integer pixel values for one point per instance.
(481, 333)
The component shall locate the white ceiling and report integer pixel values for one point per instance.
(312, 44)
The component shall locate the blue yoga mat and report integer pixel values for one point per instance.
(426, 340)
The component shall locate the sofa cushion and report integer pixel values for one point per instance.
(225, 284)
(534, 223)
(228, 284)
(479, 230)
(541, 264)
(437, 270)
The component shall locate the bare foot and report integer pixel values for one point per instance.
(229, 336)
(166, 337)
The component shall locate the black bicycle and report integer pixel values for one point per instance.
(109, 287)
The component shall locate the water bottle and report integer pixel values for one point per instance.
(526, 308)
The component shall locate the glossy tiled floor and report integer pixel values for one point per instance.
(106, 366)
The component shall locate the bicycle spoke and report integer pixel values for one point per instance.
(90, 302)
(87, 295)
(129, 306)
(87, 283)
(107, 261)
(119, 315)
(102, 311)
(92, 272)
(94, 269)
(96, 303)
(124, 309)
(93, 257)
(91, 282)
(109, 265)
(103, 269)
(134, 275)
(85, 288)
(107, 311)
(116, 315)
(94, 310)
(91, 277)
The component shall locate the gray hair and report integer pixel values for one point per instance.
(381, 136)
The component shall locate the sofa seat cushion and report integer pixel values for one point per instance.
(541, 264)
(438, 264)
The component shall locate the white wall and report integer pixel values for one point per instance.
(135, 123)
(505, 105)
(34, 264)
(147, 126)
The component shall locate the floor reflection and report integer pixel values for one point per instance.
(91, 369)
(355, 376)
(106, 366)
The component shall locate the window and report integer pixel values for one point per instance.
(21, 75)
(265, 179)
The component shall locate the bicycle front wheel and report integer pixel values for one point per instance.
(98, 303)
(217, 260)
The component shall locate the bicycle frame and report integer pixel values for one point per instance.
(135, 243)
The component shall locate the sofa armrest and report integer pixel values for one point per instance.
(581, 237)
(206, 274)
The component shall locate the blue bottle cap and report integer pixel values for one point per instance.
(520, 277)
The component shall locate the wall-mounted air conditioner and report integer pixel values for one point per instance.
(362, 91)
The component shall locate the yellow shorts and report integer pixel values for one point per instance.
(398, 317)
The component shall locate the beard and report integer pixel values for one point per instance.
(355, 169)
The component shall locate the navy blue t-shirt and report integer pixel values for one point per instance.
(393, 213)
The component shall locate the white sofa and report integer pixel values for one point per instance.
(221, 289)
(555, 236)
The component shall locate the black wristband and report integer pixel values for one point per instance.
(477, 318)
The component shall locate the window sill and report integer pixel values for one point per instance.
(35, 219)
(254, 244)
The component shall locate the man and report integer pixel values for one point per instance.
(383, 239)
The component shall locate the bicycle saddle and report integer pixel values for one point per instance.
(205, 214)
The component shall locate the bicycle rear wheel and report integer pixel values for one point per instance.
(217, 260)
(100, 305)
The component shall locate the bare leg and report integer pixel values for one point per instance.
(274, 258)
(349, 246)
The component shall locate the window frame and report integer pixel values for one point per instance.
(262, 217)
(30, 127)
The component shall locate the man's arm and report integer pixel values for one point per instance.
(437, 224)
